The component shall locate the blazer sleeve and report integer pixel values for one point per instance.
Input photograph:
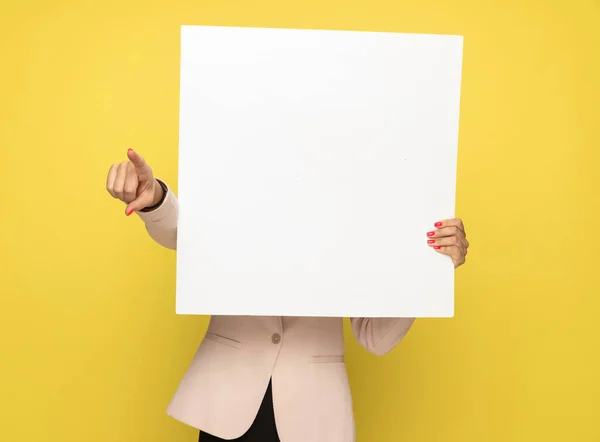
(380, 335)
(161, 223)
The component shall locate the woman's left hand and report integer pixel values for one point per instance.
(450, 239)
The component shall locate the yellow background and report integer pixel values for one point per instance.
(91, 349)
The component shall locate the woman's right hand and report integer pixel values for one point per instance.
(133, 183)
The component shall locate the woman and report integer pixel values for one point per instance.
(266, 379)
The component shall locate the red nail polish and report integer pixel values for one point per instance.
(431, 241)
(437, 247)
(129, 212)
(438, 224)
(430, 233)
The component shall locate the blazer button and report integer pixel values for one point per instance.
(276, 338)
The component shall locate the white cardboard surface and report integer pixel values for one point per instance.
(311, 166)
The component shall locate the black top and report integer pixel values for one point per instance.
(263, 428)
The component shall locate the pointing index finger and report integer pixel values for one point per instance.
(136, 159)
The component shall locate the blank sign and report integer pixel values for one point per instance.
(312, 164)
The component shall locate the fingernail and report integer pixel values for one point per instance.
(430, 233)
(437, 247)
(431, 241)
(129, 212)
(438, 224)
(129, 150)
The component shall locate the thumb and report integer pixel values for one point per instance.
(138, 204)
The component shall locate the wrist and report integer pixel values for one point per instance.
(158, 193)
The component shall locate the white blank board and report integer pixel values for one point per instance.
(311, 166)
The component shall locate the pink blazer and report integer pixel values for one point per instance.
(223, 388)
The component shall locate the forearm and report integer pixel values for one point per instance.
(380, 335)
(161, 221)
